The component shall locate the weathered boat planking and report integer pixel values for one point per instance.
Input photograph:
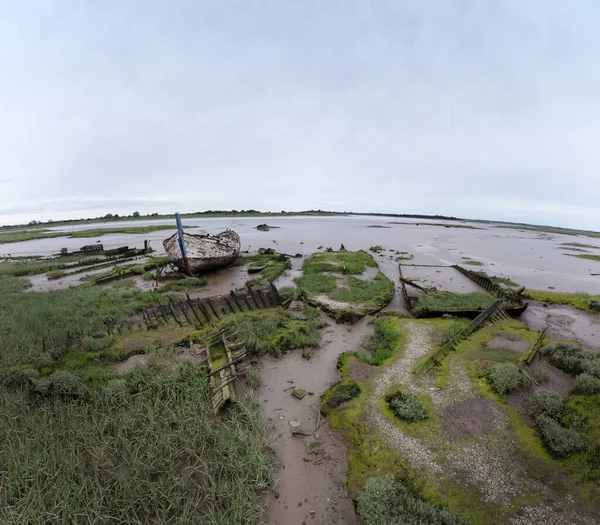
(204, 252)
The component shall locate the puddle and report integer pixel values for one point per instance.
(564, 322)
(318, 487)
(124, 367)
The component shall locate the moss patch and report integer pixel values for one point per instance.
(329, 281)
(583, 301)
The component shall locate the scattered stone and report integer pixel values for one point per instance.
(295, 423)
(276, 494)
(307, 460)
(313, 446)
(299, 393)
(299, 504)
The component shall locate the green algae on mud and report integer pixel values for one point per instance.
(267, 265)
(582, 301)
(329, 282)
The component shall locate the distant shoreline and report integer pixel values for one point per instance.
(308, 213)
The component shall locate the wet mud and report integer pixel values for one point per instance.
(308, 482)
(564, 322)
(558, 381)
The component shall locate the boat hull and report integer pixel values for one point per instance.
(204, 252)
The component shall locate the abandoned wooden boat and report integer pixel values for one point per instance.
(203, 252)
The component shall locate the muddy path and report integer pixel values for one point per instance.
(310, 487)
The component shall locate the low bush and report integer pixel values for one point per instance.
(594, 305)
(339, 393)
(407, 406)
(506, 377)
(586, 384)
(95, 344)
(561, 442)
(391, 501)
(547, 403)
(572, 358)
(60, 383)
(55, 274)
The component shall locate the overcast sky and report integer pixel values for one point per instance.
(480, 109)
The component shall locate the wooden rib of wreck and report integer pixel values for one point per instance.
(203, 252)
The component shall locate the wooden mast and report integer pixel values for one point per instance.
(186, 262)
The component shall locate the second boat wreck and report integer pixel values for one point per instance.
(197, 253)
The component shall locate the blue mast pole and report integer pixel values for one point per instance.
(182, 244)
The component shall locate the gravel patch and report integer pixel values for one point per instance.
(488, 459)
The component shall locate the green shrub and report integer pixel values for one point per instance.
(407, 406)
(60, 383)
(586, 384)
(571, 358)
(594, 305)
(55, 274)
(506, 377)
(148, 276)
(339, 393)
(391, 501)
(561, 442)
(547, 403)
(95, 344)
(376, 248)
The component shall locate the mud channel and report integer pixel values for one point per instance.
(310, 485)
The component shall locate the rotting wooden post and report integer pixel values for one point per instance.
(228, 303)
(204, 310)
(235, 300)
(183, 308)
(245, 297)
(191, 306)
(262, 298)
(162, 310)
(275, 293)
(210, 304)
(173, 312)
(229, 358)
(253, 295)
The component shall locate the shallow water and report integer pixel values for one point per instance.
(532, 259)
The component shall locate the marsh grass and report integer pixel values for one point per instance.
(587, 256)
(19, 268)
(381, 345)
(184, 284)
(581, 300)
(33, 234)
(273, 331)
(34, 323)
(145, 449)
(349, 263)
(359, 291)
(442, 301)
